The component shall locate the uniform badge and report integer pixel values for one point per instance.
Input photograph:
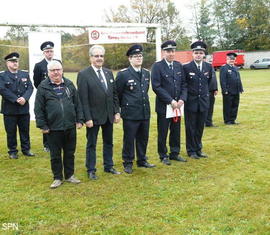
(131, 87)
(24, 79)
(111, 80)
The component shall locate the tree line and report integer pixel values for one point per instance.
(222, 24)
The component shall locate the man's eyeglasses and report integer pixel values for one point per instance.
(198, 53)
(55, 70)
(137, 56)
(97, 56)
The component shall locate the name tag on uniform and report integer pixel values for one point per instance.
(229, 71)
(178, 72)
(129, 81)
(191, 73)
(206, 73)
(146, 79)
(111, 80)
(24, 79)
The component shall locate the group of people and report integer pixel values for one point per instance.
(100, 101)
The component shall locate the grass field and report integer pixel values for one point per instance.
(228, 193)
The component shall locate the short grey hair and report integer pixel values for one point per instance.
(96, 47)
(51, 64)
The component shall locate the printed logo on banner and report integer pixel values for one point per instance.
(95, 35)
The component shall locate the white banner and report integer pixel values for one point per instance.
(35, 39)
(117, 35)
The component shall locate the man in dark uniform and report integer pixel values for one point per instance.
(41, 73)
(132, 86)
(58, 113)
(168, 82)
(231, 86)
(16, 89)
(100, 104)
(213, 90)
(199, 75)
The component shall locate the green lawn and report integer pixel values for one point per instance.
(228, 193)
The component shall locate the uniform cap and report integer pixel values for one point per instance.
(135, 49)
(198, 46)
(232, 55)
(47, 45)
(168, 45)
(14, 56)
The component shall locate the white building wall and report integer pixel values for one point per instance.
(251, 56)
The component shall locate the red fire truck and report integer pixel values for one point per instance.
(219, 58)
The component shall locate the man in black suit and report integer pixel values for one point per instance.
(98, 95)
(231, 86)
(213, 90)
(132, 87)
(168, 82)
(16, 90)
(199, 75)
(41, 73)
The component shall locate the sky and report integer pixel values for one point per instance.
(78, 12)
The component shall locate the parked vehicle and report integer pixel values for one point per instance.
(219, 58)
(261, 64)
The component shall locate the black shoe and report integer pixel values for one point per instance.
(235, 123)
(112, 171)
(178, 158)
(13, 156)
(228, 123)
(146, 165)
(203, 155)
(210, 125)
(92, 175)
(128, 169)
(166, 161)
(28, 153)
(194, 156)
(46, 149)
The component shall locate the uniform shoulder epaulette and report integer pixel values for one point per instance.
(123, 69)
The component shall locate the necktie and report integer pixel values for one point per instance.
(102, 80)
(199, 67)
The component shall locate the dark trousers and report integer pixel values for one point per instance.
(62, 141)
(107, 136)
(194, 122)
(135, 131)
(174, 141)
(230, 107)
(11, 123)
(45, 141)
(209, 118)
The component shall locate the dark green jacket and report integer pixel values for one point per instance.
(55, 113)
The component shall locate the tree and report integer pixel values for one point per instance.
(162, 12)
(253, 20)
(204, 29)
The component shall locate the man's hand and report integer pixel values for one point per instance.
(180, 103)
(174, 104)
(117, 118)
(89, 124)
(45, 131)
(78, 125)
(21, 101)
